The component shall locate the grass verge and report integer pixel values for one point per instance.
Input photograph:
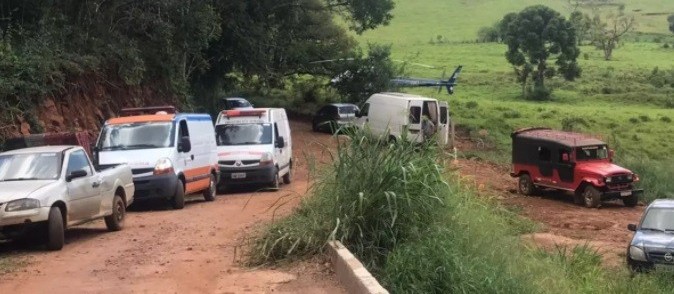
(420, 229)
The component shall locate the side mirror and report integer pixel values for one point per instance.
(184, 145)
(76, 174)
(280, 142)
(565, 157)
(611, 153)
(358, 114)
(632, 227)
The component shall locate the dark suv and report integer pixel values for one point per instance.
(548, 159)
(334, 116)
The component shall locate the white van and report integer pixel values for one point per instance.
(170, 154)
(254, 147)
(400, 115)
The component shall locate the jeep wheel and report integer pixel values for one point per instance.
(631, 201)
(591, 196)
(115, 221)
(178, 200)
(55, 230)
(526, 186)
(209, 194)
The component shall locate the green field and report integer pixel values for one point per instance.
(619, 100)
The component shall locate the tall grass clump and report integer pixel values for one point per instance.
(655, 175)
(372, 197)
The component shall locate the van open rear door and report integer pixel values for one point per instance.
(414, 127)
(443, 130)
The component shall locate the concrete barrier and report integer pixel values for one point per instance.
(351, 273)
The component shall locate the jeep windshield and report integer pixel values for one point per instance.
(131, 136)
(27, 167)
(243, 134)
(659, 219)
(591, 152)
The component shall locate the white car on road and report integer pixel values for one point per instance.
(46, 190)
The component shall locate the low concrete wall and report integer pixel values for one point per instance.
(351, 273)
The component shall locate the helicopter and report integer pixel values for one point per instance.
(404, 81)
(421, 82)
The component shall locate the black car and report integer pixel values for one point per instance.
(230, 103)
(334, 116)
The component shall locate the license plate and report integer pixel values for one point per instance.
(626, 193)
(238, 175)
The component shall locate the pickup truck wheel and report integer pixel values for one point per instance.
(178, 200)
(55, 230)
(526, 185)
(209, 194)
(115, 221)
(631, 201)
(591, 196)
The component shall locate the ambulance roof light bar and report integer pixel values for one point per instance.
(148, 110)
(236, 113)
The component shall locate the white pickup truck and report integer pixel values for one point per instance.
(46, 190)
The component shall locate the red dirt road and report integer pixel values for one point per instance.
(177, 251)
(564, 223)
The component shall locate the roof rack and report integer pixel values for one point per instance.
(148, 110)
(519, 131)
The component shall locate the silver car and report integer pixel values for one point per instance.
(46, 190)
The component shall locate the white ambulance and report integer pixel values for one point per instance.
(254, 147)
(171, 154)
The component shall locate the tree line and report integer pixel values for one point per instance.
(185, 47)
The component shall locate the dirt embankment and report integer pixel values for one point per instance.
(81, 106)
(194, 250)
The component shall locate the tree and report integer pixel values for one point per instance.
(582, 24)
(363, 76)
(670, 19)
(606, 34)
(535, 35)
(363, 15)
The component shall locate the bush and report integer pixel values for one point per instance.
(371, 198)
(539, 93)
(512, 114)
(634, 120)
(471, 105)
(644, 118)
(666, 119)
(571, 123)
(488, 35)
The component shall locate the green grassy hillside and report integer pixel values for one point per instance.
(621, 100)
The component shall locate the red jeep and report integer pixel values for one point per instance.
(549, 159)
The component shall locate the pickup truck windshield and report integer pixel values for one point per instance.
(661, 219)
(592, 152)
(137, 136)
(243, 134)
(26, 167)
